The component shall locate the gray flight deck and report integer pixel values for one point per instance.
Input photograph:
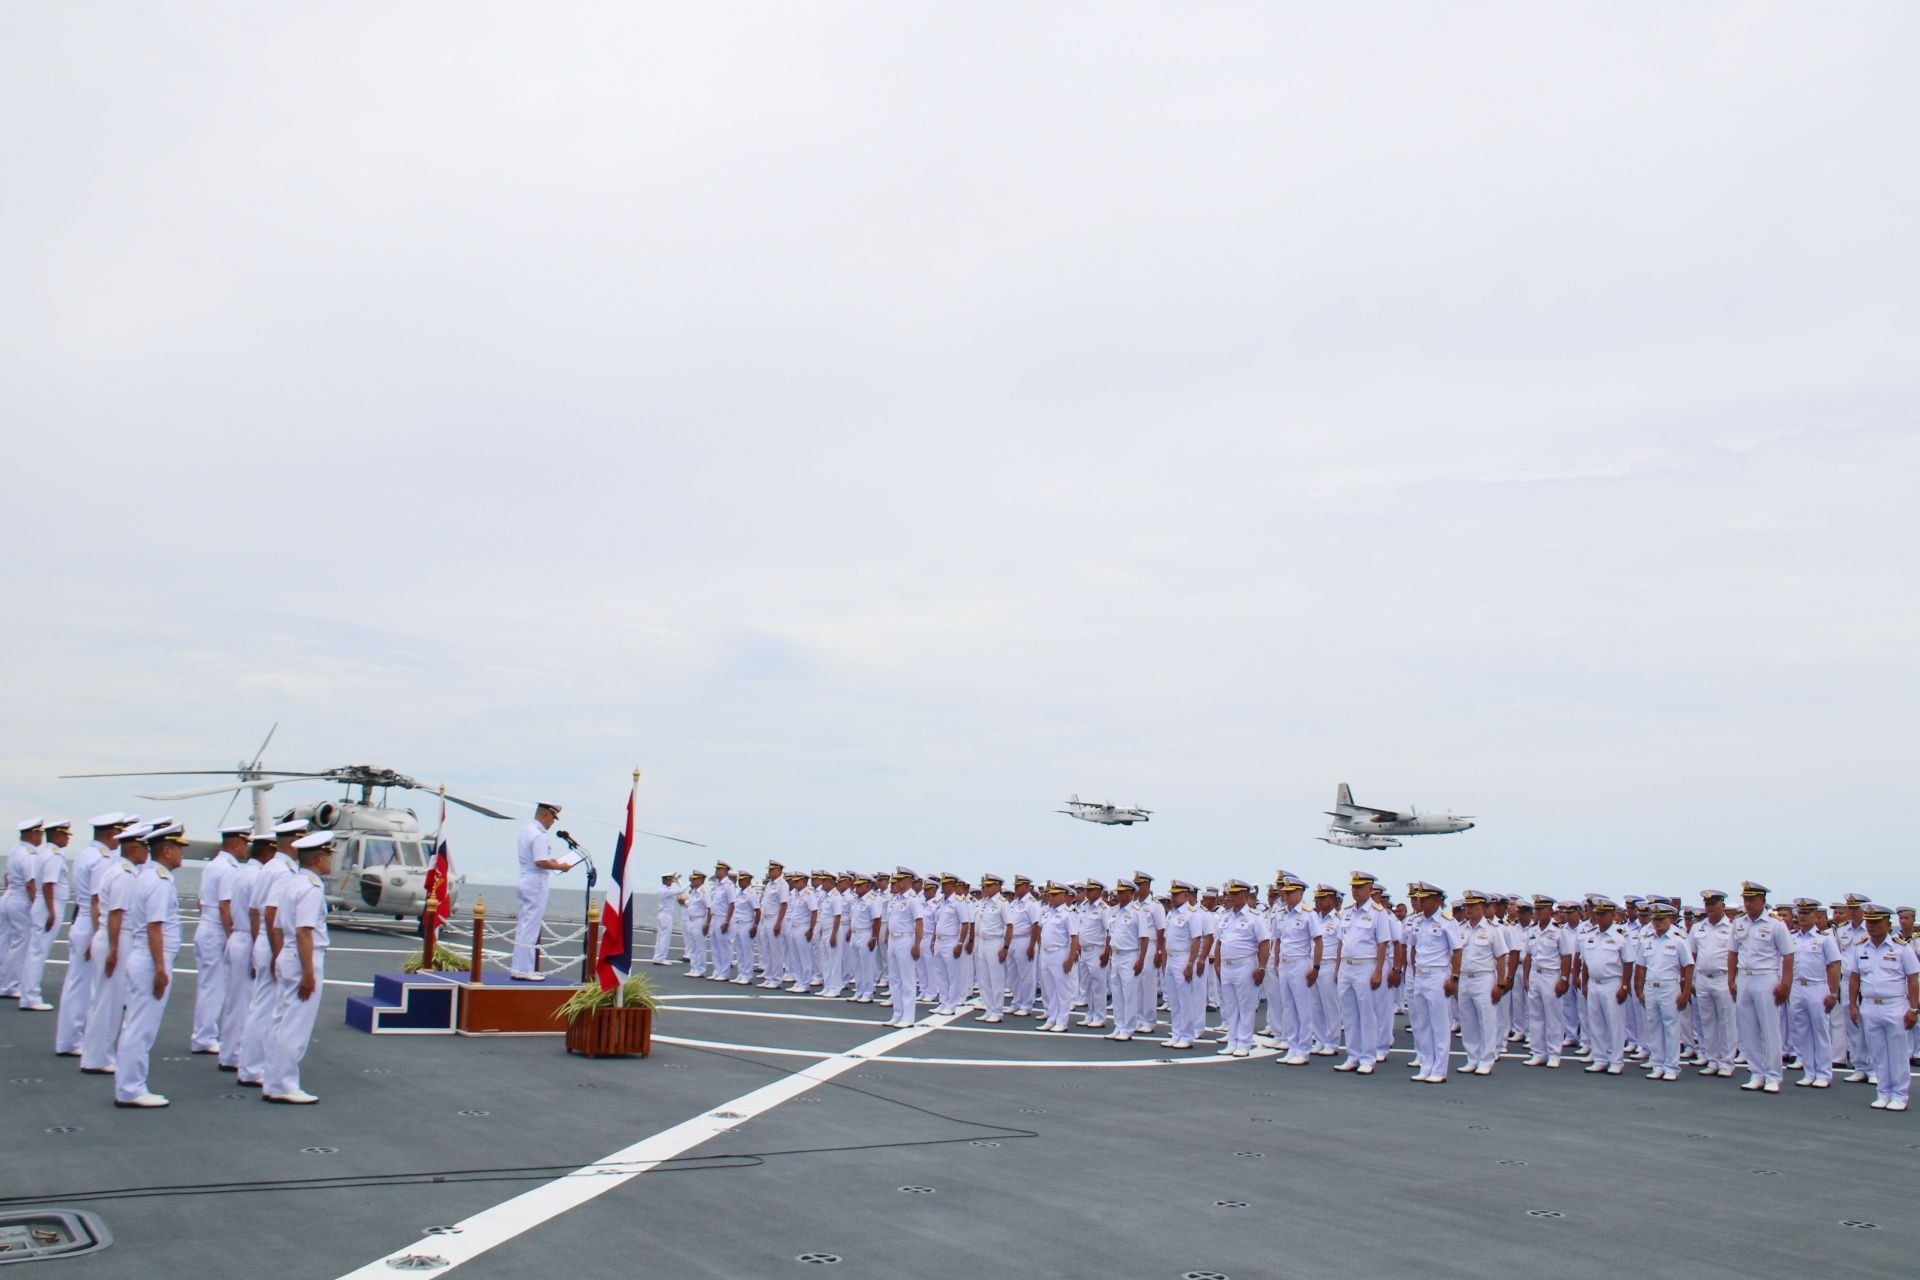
(1029, 1154)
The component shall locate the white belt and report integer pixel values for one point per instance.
(1713, 973)
(1662, 982)
(1051, 950)
(1883, 999)
(1432, 968)
(1754, 973)
(1363, 959)
(1478, 973)
(1809, 982)
(1236, 960)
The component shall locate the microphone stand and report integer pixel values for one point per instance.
(586, 914)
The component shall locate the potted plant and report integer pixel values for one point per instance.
(600, 1026)
(445, 960)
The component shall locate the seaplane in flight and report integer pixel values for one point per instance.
(1107, 815)
(1363, 820)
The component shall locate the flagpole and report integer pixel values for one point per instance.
(626, 899)
(431, 912)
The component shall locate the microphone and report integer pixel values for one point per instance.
(570, 842)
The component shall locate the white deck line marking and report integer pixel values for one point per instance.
(992, 1030)
(493, 1227)
(784, 1017)
(1074, 1064)
(330, 982)
(731, 1047)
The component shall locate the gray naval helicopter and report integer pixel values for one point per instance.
(381, 857)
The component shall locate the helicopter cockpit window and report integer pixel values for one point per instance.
(410, 853)
(376, 853)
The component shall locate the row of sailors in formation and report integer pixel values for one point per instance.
(260, 948)
(1767, 990)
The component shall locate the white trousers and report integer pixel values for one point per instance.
(1095, 982)
(1384, 999)
(991, 973)
(1432, 1025)
(1326, 1002)
(1359, 1005)
(1715, 1003)
(1660, 1024)
(262, 1008)
(1544, 1032)
(14, 926)
(1022, 976)
(209, 982)
(1883, 1026)
(139, 1024)
(1056, 986)
(799, 956)
(105, 1013)
(1812, 1032)
(1758, 1019)
(39, 944)
(1607, 1022)
(662, 936)
(1290, 1005)
(1186, 1002)
(900, 956)
(833, 968)
(294, 1031)
(1481, 1030)
(1239, 997)
(699, 947)
(239, 997)
(76, 992)
(1129, 992)
(866, 967)
(526, 929)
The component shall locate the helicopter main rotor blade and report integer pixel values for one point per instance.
(252, 767)
(657, 836)
(263, 745)
(235, 787)
(477, 808)
(195, 773)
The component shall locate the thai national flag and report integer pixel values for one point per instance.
(616, 920)
(439, 904)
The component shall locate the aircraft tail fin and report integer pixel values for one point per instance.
(1343, 798)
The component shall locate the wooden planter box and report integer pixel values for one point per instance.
(612, 1033)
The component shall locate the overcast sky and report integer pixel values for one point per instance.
(877, 422)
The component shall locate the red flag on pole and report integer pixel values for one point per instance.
(616, 918)
(439, 876)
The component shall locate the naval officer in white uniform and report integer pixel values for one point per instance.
(44, 909)
(14, 910)
(536, 865)
(210, 939)
(300, 943)
(149, 941)
(76, 991)
(663, 905)
(115, 890)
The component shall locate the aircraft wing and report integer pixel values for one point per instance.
(1382, 815)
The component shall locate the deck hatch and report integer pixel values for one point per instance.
(35, 1234)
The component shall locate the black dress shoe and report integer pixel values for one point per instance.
(96, 1071)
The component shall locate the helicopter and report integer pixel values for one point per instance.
(381, 855)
